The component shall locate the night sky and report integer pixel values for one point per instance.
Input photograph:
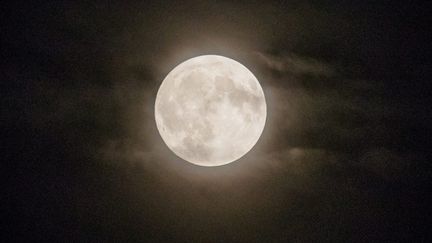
(344, 157)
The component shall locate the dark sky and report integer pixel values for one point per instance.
(344, 157)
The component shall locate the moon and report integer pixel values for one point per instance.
(210, 110)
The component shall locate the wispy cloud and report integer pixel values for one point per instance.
(295, 64)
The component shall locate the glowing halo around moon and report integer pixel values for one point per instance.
(210, 110)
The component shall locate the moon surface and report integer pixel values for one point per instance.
(210, 110)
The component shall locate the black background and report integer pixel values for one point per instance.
(344, 156)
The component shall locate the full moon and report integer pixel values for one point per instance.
(210, 110)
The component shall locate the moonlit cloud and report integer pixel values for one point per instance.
(294, 64)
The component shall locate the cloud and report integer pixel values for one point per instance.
(294, 64)
(301, 161)
(322, 116)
